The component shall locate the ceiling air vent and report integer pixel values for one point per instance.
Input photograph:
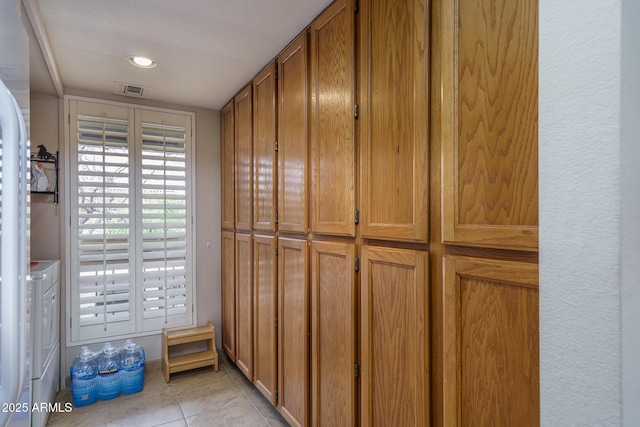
(135, 91)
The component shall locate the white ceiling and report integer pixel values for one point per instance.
(206, 50)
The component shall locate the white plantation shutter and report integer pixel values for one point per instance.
(165, 220)
(130, 237)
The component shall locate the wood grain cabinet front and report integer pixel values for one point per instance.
(333, 334)
(264, 316)
(293, 331)
(264, 149)
(293, 158)
(244, 159)
(228, 294)
(393, 119)
(333, 144)
(244, 304)
(394, 336)
(227, 148)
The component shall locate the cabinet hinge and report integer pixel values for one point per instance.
(276, 250)
(356, 6)
(276, 145)
(357, 264)
(276, 394)
(276, 73)
(356, 216)
(356, 111)
(276, 322)
(357, 370)
(276, 217)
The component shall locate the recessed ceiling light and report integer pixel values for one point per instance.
(142, 62)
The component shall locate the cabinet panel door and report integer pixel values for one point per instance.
(228, 294)
(394, 119)
(244, 159)
(244, 304)
(394, 342)
(489, 120)
(332, 121)
(265, 312)
(264, 150)
(333, 334)
(491, 343)
(292, 137)
(227, 159)
(293, 331)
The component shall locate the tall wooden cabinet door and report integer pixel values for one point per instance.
(333, 334)
(491, 343)
(292, 137)
(333, 162)
(244, 158)
(227, 156)
(394, 117)
(265, 305)
(488, 59)
(394, 337)
(264, 149)
(244, 304)
(228, 294)
(293, 331)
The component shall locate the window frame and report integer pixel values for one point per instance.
(136, 322)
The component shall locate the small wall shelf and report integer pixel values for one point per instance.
(52, 159)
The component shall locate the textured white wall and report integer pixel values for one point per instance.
(588, 253)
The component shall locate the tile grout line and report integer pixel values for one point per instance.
(247, 396)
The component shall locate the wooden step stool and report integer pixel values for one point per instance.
(209, 357)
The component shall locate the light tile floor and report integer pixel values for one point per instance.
(201, 397)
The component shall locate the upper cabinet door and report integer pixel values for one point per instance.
(292, 137)
(333, 162)
(487, 56)
(227, 143)
(244, 158)
(264, 149)
(394, 117)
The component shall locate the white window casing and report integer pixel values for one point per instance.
(130, 199)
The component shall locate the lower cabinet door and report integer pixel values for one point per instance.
(265, 314)
(333, 334)
(394, 337)
(228, 294)
(293, 331)
(491, 343)
(244, 304)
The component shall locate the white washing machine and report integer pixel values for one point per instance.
(45, 277)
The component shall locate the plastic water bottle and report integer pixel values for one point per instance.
(84, 378)
(132, 367)
(108, 373)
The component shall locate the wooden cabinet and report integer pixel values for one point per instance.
(228, 294)
(394, 337)
(227, 143)
(333, 334)
(333, 161)
(293, 331)
(244, 304)
(491, 343)
(244, 158)
(264, 149)
(265, 305)
(292, 137)
(394, 117)
(488, 83)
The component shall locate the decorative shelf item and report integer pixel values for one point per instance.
(44, 179)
